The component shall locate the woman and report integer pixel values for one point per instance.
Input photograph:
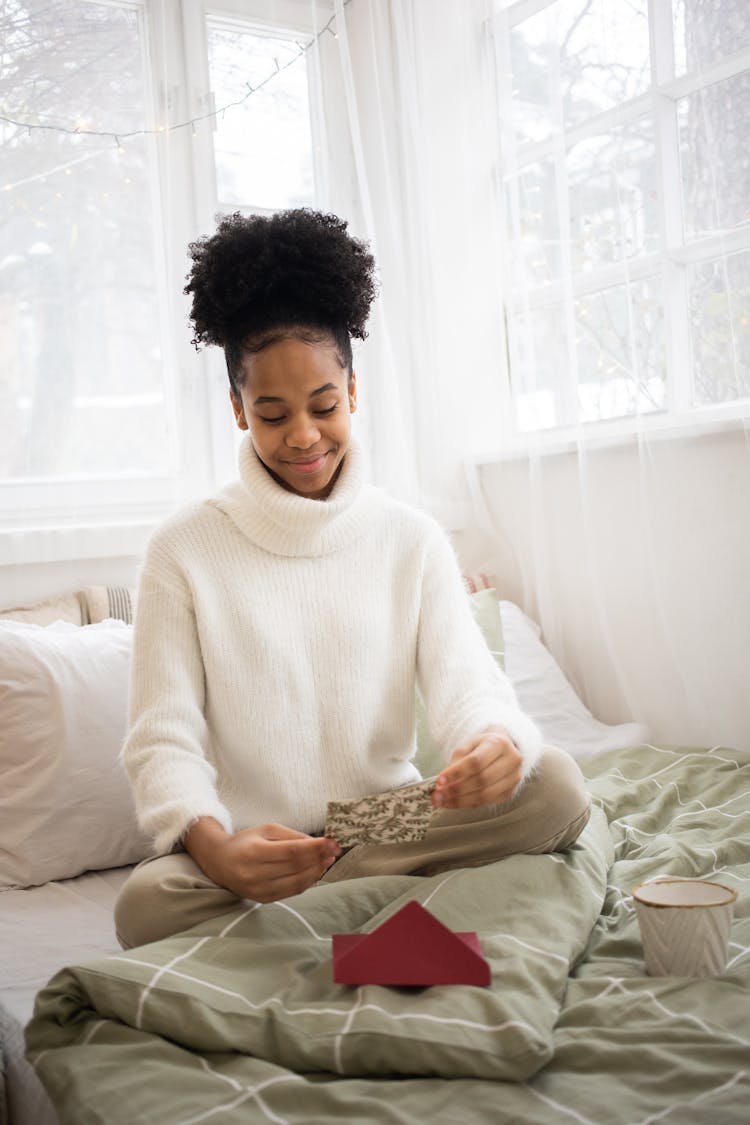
(284, 626)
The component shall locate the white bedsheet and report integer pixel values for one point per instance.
(45, 928)
(42, 929)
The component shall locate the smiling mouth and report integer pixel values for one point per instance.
(309, 465)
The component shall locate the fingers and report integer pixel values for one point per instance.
(281, 832)
(288, 845)
(273, 862)
(286, 884)
(482, 772)
(296, 852)
(280, 858)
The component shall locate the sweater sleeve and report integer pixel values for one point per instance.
(164, 753)
(463, 689)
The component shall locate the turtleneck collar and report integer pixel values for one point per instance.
(284, 523)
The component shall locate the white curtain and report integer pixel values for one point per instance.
(558, 196)
(559, 366)
(414, 172)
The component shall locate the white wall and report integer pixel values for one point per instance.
(24, 584)
(646, 603)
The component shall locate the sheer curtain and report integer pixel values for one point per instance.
(412, 165)
(557, 195)
(627, 272)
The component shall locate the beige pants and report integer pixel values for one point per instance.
(170, 893)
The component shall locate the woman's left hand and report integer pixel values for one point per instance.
(486, 769)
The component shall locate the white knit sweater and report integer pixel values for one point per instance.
(278, 644)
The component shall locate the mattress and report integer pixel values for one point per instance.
(41, 929)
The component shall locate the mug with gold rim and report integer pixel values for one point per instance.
(685, 926)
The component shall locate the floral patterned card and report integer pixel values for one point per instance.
(392, 817)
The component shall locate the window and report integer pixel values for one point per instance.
(626, 208)
(125, 127)
(264, 158)
(83, 380)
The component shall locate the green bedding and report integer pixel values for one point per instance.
(239, 1019)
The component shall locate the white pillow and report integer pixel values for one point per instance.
(65, 801)
(65, 607)
(548, 697)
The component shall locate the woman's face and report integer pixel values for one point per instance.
(296, 401)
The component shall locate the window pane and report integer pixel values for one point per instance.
(619, 353)
(539, 367)
(612, 197)
(263, 145)
(613, 212)
(81, 382)
(714, 125)
(532, 47)
(720, 329)
(599, 51)
(620, 349)
(705, 33)
(533, 224)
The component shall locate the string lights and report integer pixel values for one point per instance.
(81, 129)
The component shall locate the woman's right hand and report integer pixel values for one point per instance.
(266, 864)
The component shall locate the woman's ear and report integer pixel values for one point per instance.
(239, 410)
(352, 389)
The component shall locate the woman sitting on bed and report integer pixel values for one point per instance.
(283, 626)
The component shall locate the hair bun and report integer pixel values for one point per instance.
(294, 267)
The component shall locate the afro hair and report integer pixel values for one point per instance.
(259, 275)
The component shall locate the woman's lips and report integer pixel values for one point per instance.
(313, 465)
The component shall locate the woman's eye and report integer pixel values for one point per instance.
(282, 417)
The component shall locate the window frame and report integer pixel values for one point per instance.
(47, 520)
(668, 264)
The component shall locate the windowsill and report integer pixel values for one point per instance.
(553, 443)
(23, 546)
(55, 541)
(53, 522)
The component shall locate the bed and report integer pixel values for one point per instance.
(239, 1019)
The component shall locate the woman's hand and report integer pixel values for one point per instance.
(486, 769)
(266, 864)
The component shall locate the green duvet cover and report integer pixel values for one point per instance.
(239, 1020)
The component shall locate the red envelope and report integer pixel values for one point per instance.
(411, 948)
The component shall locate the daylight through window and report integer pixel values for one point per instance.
(626, 185)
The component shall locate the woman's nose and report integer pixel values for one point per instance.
(302, 434)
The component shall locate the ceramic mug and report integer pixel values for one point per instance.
(685, 925)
